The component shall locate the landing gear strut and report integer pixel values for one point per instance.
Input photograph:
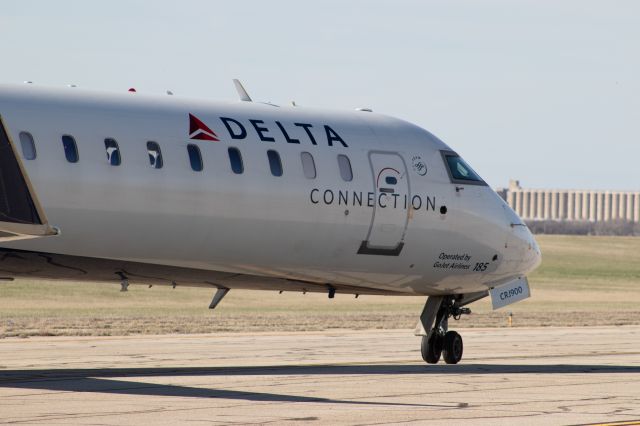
(437, 340)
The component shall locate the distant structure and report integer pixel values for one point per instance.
(572, 205)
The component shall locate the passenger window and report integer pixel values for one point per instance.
(308, 165)
(274, 162)
(155, 155)
(70, 148)
(28, 146)
(460, 171)
(113, 151)
(345, 168)
(195, 158)
(235, 158)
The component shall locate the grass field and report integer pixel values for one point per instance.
(582, 281)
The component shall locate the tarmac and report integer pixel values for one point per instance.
(507, 376)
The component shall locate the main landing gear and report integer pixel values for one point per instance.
(439, 341)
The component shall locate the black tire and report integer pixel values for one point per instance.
(452, 347)
(431, 348)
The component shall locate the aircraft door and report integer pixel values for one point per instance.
(20, 213)
(391, 198)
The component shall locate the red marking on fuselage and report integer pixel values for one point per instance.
(200, 131)
(386, 168)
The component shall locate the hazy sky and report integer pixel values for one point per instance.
(544, 91)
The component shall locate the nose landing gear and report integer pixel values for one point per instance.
(452, 347)
(439, 341)
(431, 348)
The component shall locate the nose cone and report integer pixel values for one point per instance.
(533, 255)
(522, 248)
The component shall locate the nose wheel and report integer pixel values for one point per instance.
(431, 348)
(449, 347)
(440, 342)
(452, 347)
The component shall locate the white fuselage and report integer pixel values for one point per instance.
(392, 227)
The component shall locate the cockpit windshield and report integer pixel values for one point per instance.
(460, 171)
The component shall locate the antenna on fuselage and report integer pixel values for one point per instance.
(244, 96)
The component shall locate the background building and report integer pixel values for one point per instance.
(572, 205)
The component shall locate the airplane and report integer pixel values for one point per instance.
(165, 190)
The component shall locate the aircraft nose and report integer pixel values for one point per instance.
(522, 248)
(533, 257)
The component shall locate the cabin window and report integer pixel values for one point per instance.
(308, 165)
(274, 162)
(70, 148)
(195, 158)
(459, 170)
(28, 146)
(345, 168)
(155, 155)
(235, 159)
(113, 151)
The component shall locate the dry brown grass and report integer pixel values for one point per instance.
(582, 281)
